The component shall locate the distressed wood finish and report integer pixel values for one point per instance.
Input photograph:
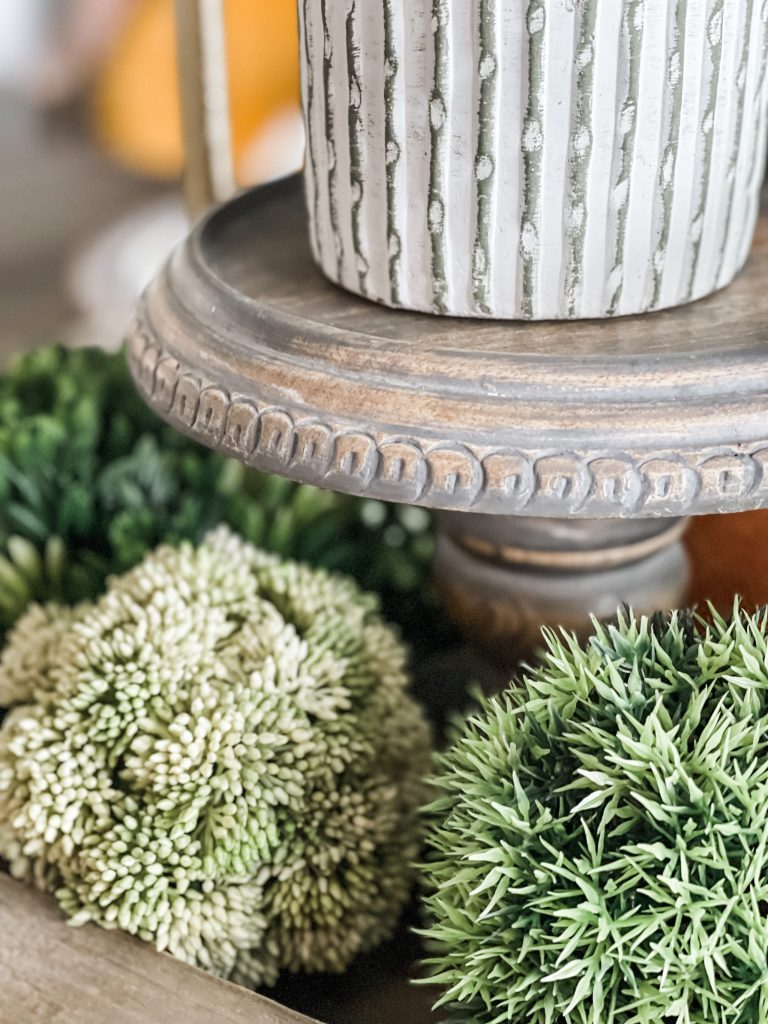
(504, 577)
(244, 345)
(53, 974)
(208, 172)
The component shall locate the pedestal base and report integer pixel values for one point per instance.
(502, 578)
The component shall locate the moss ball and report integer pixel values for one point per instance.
(599, 845)
(219, 755)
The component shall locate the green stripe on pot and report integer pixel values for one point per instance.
(330, 139)
(438, 115)
(485, 158)
(581, 146)
(533, 144)
(632, 37)
(707, 129)
(392, 149)
(356, 172)
(675, 80)
(309, 77)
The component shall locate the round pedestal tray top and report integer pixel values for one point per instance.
(243, 344)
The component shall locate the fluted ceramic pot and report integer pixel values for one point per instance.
(534, 159)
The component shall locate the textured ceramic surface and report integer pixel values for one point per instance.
(534, 159)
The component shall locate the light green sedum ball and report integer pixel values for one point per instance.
(220, 755)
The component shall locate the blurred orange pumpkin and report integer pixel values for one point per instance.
(136, 102)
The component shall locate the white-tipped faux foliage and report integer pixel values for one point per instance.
(219, 756)
(600, 844)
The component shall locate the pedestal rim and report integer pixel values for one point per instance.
(315, 405)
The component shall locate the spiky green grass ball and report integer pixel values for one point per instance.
(600, 842)
(220, 756)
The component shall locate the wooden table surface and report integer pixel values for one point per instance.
(53, 974)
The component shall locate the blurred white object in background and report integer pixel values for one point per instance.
(50, 49)
(24, 36)
(278, 149)
(106, 279)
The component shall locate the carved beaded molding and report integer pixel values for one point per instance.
(446, 475)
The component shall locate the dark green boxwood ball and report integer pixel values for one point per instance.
(91, 479)
(599, 844)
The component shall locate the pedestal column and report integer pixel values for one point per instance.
(503, 577)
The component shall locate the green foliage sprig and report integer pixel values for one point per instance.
(90, 480)
(600, 842)
(219, 756)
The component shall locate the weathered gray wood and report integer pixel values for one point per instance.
(504, 577)
(243, 344)
(53, 974)
(200, 38)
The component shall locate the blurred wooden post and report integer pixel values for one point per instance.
(208, 174)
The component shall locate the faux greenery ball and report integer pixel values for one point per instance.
(600, 842)
(90, 480)
(220, 756)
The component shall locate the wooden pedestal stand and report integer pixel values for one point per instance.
(563, 458)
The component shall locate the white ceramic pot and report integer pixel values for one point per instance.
(534, 159)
